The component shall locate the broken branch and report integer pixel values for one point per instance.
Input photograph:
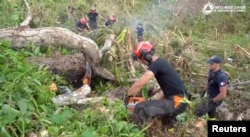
(45, 36)
(239, 84)
(28, 18)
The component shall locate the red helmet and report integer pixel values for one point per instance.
(112, 18)
(83, 21)
(141, 49)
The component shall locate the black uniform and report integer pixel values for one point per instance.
(171, 84)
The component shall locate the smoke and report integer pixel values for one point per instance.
(159, 15)
(153, 16)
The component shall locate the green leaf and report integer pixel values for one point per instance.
(53, 130)
(31, 107)
(89, 133)
(5, 44)
(2, 78)
(9, 113)
(21, 125)
(28, 117)
(103, 129)
(27, 89)
(120, 126)
(37, 82)
(58, 119)
(4, 133)
(67, 113)
(22, 104)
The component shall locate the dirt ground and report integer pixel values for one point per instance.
(235, 108)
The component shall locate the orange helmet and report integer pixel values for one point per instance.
(142, 49)
(112, 18)
(83, 21)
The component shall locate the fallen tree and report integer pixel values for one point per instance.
(20, 36)
(56, 36)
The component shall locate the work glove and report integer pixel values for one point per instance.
(211, 102)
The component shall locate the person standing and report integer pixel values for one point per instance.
(216, 89)
(92, 16)
(139, 31)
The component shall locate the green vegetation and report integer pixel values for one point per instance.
(26, 105)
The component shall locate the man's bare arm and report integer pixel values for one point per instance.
(138, 85)
(221, 95)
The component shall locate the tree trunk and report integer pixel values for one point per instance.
(20, 36)
(72, 67)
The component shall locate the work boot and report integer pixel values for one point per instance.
(169, 123)
(171, 130)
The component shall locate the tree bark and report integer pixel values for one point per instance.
(20, 36)
(28, 18)
(240, 83)
(72, 67)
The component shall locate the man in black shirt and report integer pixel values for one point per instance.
(92, 15)
(170, 82)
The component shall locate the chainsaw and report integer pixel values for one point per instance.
(130, 102)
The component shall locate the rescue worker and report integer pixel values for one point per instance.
(173, 90)
(139, 31)
(110, 21)
(82, 25)
(92, 15)
(216, 89)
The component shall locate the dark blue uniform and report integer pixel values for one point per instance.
(107, 23)
(140, 31)
(215, 81)
(81, 26)
(92, 20)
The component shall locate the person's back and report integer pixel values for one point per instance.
(110, 21)
(79, 24)
(167, 77)
(169, 105)
(140, 30)
(82, 25)
(107, 23)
